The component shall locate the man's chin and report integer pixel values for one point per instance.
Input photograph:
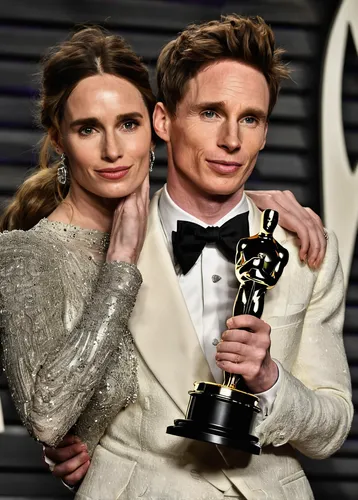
(223, 191)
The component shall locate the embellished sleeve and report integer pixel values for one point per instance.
(53, 373)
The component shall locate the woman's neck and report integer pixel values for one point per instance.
(88, 212)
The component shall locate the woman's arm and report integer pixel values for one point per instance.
(53, 374)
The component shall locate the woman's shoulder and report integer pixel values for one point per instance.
(36, 242)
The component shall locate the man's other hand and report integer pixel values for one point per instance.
(71, 459)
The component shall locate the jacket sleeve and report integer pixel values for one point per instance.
(313, 409)
(53, 372)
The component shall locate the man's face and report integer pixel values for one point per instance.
(219, 128)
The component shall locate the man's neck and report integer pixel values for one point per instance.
(208, 209)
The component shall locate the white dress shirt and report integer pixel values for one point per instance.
(209, 288)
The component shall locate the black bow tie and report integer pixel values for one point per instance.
(190, 239)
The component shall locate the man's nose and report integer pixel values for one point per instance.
(230, 137)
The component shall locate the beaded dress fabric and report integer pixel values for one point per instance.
(66, 348)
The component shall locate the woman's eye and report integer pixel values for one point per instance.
(209, 113)
(130, 125)
(86, 131)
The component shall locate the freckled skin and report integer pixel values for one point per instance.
(196, 135)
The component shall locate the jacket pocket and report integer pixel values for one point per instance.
(108, 476)
(297, 487)
(286, 320)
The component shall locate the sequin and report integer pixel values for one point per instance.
(66, 348)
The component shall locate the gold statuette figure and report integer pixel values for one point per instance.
(259, 263)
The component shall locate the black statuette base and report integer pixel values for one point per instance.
(220, 415)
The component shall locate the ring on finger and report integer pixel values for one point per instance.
(325, 234)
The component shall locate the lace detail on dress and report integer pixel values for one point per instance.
(66, 348)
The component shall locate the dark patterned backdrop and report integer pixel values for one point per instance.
(291, 159)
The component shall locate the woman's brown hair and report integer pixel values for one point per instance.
(91, 51)
(247, 39)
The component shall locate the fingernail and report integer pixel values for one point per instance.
(229, 323)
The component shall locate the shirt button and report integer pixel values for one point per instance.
(215, 278)
(215, 342)
(195, 474)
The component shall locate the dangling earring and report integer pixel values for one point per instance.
(62, 171)
(151, 160)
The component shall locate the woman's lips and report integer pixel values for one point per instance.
(113, 173)
(224, 167)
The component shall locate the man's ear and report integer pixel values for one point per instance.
(264, 138)
(161, 121)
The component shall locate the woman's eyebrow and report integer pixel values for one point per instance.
(93, 121)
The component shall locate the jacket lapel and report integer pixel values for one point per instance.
(161, 326)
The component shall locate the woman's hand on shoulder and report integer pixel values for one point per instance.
(129, 226)
(300, 220)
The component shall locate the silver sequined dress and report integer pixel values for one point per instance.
(66, 349)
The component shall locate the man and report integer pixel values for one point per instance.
(218, 83)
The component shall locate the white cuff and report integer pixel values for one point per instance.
(267, 400)
(51, 464)
(71, 488)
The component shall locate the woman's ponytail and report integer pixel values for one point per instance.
(37, 196)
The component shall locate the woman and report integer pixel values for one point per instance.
(67, 352)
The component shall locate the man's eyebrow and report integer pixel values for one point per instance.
(93, 121)
(258, 112)
(221, 106)
(214, 105)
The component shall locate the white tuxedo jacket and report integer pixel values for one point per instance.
(312, 411)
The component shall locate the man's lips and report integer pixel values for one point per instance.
(224, 166)
(224, 162)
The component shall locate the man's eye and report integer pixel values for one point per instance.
(250, 120)
(86, 130)
(130, 125)
(209, 113)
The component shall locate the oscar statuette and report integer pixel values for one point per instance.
(224, 413)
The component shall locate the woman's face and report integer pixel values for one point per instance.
(106, 135)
